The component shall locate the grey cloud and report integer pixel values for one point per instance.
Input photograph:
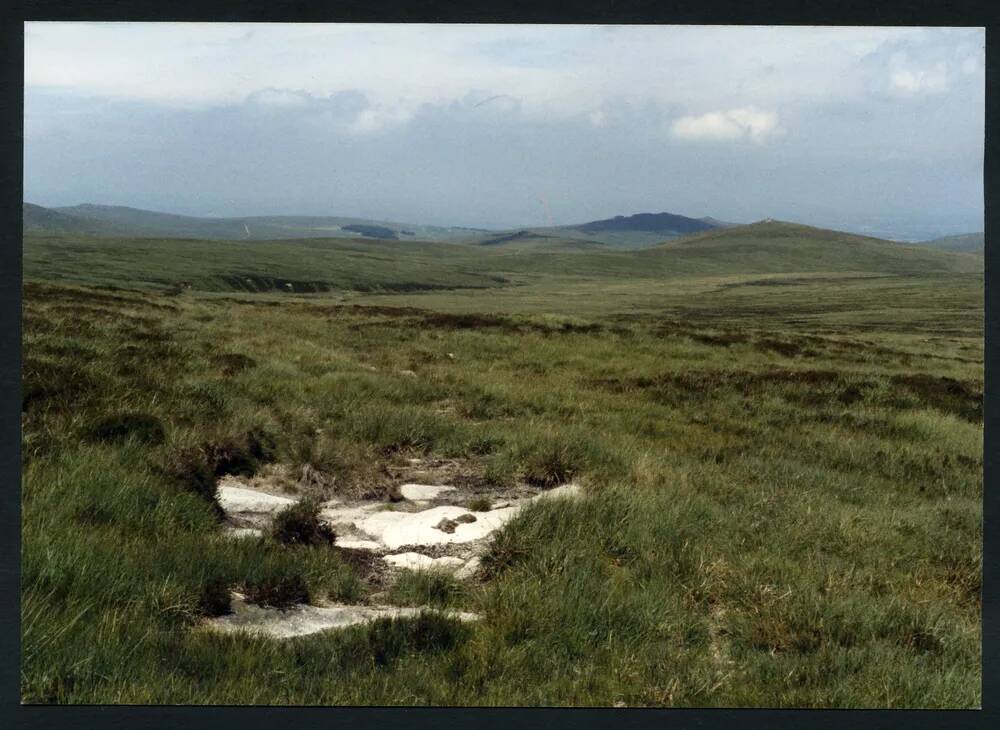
(859, 154)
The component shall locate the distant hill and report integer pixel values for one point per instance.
(622, 232)
(667, 224)
(39, 220)
(963, 243)
(778, 247)
(113, 220)
(632, 231)
(761, 254)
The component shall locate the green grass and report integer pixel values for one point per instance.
(782, 476)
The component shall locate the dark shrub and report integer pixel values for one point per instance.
(261, 444)
(215, 598)
(231, 457)
(190, 469)
(552, 462)
(140, 426)
(299, 524)
(197, 468)
(277, 592)
(480, 504)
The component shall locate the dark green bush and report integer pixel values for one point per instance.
(277, 592)
(299, 524)
(215, 598)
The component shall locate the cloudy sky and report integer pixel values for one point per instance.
(877, 129)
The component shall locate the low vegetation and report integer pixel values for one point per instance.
(782, 480)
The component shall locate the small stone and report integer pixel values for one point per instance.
(446, 525)
(466, 518)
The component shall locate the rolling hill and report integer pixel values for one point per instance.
(622, 232)
(666, 224)
(964, 243)
(778, 246)
(113, 220)
(339, 264)
(47, 221)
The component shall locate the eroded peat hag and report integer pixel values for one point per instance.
(743, 512)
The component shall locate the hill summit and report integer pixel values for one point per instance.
(667, 224)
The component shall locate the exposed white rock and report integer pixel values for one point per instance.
(304, 620)
(418, 561)
(238, 501)
(350, 543)
(395, 529)
(565, 491)
(422, 492)
(336, 512)
(376, 527)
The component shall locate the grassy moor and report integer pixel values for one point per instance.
(775, 432)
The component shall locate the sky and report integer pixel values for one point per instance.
(877, 130)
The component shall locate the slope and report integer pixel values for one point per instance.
(306, 266)
(963, 243)
(122, 221)
(777, 247)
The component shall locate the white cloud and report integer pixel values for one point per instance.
(908, 80)
(554, 70)
(378, 119)
(735, 124)
(284, 98)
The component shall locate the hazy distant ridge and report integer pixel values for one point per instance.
(962, 243)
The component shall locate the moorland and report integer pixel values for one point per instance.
(776, 431)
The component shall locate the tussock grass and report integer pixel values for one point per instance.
(299, 524)
(438, 588)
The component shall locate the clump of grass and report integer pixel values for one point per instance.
(232, 363)
(197, 468)
(47, 383)
(389, 639)
(214, 599)
(299, 524)
(279, 591)
(143, 427)
(212, 397)
(500, 470)
(480, 504)
(437, 588)
(554, 459)
(393, 429)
